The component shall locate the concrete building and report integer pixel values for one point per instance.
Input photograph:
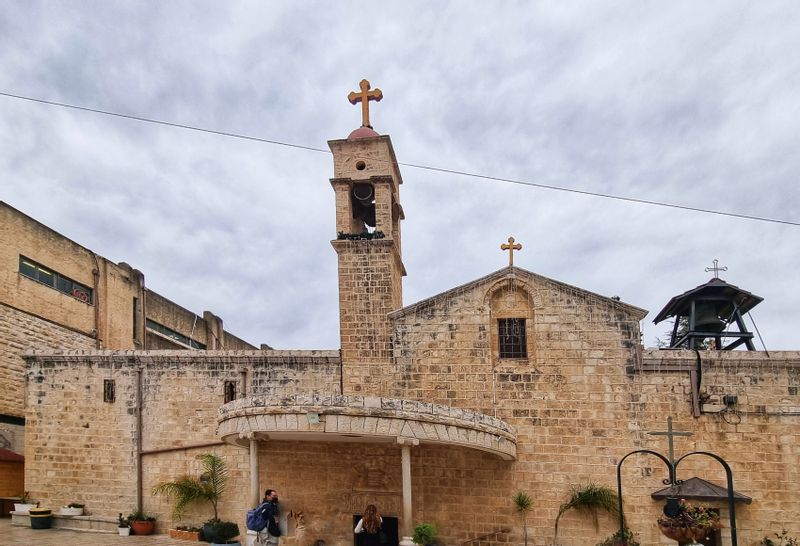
(55, 293)
(436, 412)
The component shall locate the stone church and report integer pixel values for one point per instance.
(437, 411)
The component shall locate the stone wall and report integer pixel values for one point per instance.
(20, 331)
(584, 398)
(82, 446)
(369, 289)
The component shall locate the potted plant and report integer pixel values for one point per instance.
(690, 523)
(207, 487)
(186, 533)
(72, 509)
(425, 534)
(141, 523)
(220, 532)
(123, 526)
(523, 504)
(25, 503)
(41, 518)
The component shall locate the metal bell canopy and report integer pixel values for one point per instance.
(711, 310)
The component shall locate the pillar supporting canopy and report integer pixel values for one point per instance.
(363, 419)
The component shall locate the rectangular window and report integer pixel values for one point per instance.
(109, 393)
(513, 343)
(135, 320)
(173, 335)
(65, 285)
(230, 391)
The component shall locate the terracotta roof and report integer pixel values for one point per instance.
(8, 456)
(699, 489)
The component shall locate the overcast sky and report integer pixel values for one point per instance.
(691, 103)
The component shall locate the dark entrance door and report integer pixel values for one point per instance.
(390, 536)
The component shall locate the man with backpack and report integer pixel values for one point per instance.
(264, 519)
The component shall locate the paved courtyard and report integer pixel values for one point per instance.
(25, 536)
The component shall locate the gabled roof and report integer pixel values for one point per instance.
(699, 489)
(512, 271)
(714, 289)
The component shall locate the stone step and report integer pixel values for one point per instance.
(90, 524)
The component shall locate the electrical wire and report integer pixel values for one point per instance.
(410, 165)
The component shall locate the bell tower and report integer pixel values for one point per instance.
(366, 184)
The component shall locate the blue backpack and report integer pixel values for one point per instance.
(257, 517)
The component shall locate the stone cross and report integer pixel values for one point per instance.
(671, 434)
(511, 247)
(716, 268)
(364, 97)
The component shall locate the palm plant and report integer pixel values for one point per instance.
(209, 486)
(591, 498)
(523, 504)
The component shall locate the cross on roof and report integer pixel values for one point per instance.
(671, 434)
(364, 96)
(511, 247)
(716, 268)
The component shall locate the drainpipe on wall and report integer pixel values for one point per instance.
(139, 480)
(96, 286)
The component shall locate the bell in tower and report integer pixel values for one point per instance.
(711, 311)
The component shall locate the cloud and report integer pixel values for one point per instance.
(686, 103)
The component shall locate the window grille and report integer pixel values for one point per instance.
(109, 389)
(513, 343)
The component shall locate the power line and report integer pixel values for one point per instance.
(410, 165)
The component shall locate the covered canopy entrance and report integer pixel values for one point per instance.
(365, 420)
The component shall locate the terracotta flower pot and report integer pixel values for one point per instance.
(142, 527)
(685, 534)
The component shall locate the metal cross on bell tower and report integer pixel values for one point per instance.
(364, 96)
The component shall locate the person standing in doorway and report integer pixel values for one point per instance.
(369, 526)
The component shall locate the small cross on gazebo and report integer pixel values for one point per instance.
(511, 247)
(716, 268)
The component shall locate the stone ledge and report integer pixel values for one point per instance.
(88, 524)
(362, 419)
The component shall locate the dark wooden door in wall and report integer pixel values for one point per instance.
(389, 532)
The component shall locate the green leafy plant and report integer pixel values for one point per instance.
(123, 521)
(25, 497)
(620, 538)
(208, 487)
(592, 499)
(691, 516)
(139, 515)
(216, 530)
(523, 504)
(424, 534)
(783, 540)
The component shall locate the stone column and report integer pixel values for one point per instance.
(255, 490)
(408, 522)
